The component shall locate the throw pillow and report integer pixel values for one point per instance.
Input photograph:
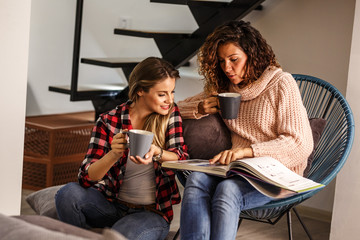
(317, 126)
(43, 201)
(206, 137)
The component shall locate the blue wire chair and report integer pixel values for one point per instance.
(322, 100)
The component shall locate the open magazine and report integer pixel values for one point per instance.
(266, 174)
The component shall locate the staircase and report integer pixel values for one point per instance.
(176, 47)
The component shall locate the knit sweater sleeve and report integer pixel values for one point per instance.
(189, 106)
(294, 143)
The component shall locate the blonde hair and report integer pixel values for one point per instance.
(144, 76)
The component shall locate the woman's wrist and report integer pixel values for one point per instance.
(157, 157)
(114, 156)
(249, 152)
(243, 152)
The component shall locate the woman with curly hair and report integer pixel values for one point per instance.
(272, 121)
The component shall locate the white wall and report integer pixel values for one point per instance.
(51, 44)
(14, 45)
(345, 223)
(309, 36)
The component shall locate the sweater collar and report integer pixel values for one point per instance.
(254, 89)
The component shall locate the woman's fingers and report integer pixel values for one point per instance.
(224, 158)
(119, 142)
(140, 160)
(134, 159)
(122, 141)
(148, 156)
(210, 102)
(210, 105)
(216, 158)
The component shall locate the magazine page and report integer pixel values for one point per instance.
(269, 189)
(272, 171)
(261, 169)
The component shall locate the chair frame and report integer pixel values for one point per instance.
(332, 106)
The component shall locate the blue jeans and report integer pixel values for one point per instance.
(88, 208)
(211, 206)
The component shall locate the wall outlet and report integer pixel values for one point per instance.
(124, 22)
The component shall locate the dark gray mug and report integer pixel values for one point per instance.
(139, 142)
(229, 104)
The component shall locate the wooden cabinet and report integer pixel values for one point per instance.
(54, 148)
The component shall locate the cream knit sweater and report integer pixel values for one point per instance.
(272, 119)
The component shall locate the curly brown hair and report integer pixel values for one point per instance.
(259, 55)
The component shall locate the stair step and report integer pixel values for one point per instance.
(182, 2)
(153, 34)
(177, 47)
(208, 3)
(112, 62)
(89, 91)
(188, 2)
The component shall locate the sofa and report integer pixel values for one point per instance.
(204, 137)
(40, 227)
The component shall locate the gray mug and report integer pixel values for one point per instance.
(229, 104)
(139, 142)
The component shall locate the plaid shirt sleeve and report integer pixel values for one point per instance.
(98, 147)
(174, 135)
(100, 144)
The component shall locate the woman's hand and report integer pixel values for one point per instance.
(98, 169)
(208, 106)
(154, 150)
(119, 143)
(229, 156)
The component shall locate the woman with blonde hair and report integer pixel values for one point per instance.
(132, 195)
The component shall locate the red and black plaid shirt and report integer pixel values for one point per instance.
(108, 125)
